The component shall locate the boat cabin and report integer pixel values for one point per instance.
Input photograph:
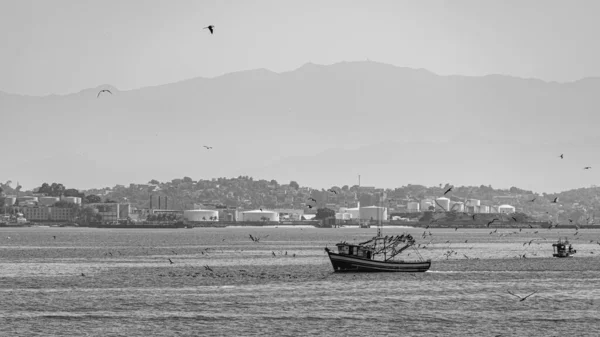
(562, 248)
(355, 250)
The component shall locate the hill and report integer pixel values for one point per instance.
(256, 120)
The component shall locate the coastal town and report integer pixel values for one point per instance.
(245, 200)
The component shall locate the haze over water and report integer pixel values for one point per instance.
(130, 288)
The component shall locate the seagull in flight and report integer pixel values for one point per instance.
(448, 190)
(561, 156)
(208, 147)
(522, 298)
(210, 27)
(587, 167)
(333, 191)
(555, 200)
(103, 90)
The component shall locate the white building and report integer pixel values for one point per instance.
(258, 215)
(201, 215)
(373, 213)
(506, 209)
(442, 204)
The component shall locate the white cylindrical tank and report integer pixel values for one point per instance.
(10, 201)
(354, 212)
(201, 215)
(425, 204)
(343, 216)
(259, 215)
(458, 206)
(494, 209)
(413, 206)
(473, 202)
(484, 209)
(27, 198)
(442, 204)
(373, 213)
(48, 201)
(75, 200)
(506, 209)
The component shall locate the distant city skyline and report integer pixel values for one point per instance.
(90, 43)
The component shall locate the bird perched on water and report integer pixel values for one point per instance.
(521, 299)
(210, 27)
(103, 90)
(208, 147)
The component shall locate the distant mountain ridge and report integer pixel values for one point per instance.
(256, 117)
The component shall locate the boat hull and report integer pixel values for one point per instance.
(347, 263)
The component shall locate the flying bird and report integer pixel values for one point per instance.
(561, 156)
(522, 298)
(587, 167)
(208, 147)
(210, 27)
(103, 90)
(491, 222)
(332, 191)
(171, 261)
(555, 200)
(448, 190)
(208, 268)
(309, 206)
(313, 199)
(532, 200)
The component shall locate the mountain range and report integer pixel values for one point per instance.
(321, 125)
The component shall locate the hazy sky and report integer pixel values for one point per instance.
(63, 46)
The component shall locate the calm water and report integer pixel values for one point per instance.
(284, 285)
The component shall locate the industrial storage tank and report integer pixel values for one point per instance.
(458, 206)
(259, 215)
(373, 213)
(413, 206)
(506, 209)
(201, 215)
(354, 212)
(48, 201)
(425, 204)
(484, 209)
(473, 202)
(343, 216)
(26, 199)
(75, 200)
(10, 201)
(442, 204)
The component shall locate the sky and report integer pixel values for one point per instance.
(64, 46)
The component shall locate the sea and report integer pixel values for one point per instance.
(59, 281)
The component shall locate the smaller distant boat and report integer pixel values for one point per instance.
(562, 248)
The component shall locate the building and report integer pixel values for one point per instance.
(413, 206)
(258, 215)
(124, 211)
(196, 215)
(373, 213)
(508, 209)
(44, 213)
(292, 214)
(108, 211)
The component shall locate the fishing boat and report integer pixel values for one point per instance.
(377, 255)
(562, 248)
